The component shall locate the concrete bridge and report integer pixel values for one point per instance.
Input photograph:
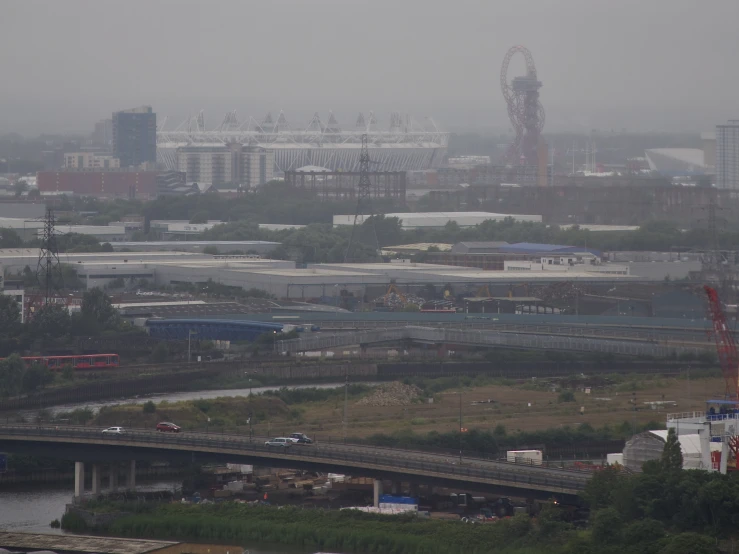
(88, 446)
(616, 343)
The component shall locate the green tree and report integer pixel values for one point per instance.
(566, 396)
(20, 187)
(199, 217)
(389, 230)
(149, 407)
(35, 377)
(10, 239)
(11, 375)
(98, 310)
(68, 372)
(160, 353)
(689, 543)
(212, 250)
(606, 526)
(76, 242)
(50, 321)
(10, 315)
(672, 456)
(643, 532)
(600, 489)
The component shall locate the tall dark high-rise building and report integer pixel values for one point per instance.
(727, 155)
(135, 136)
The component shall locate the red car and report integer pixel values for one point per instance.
(166, 427)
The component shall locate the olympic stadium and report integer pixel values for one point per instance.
(402, 144)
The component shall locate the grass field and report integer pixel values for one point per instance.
(519, 406)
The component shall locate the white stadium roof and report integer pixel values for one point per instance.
(673, 160)
(403, 145)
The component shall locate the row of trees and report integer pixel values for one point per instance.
(688, 509)
(16, 378)
(325, 243)
(496, 441)
(54, 325)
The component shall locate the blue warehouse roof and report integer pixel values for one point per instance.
(210, 329)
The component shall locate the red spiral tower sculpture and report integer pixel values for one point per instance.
(524, 108)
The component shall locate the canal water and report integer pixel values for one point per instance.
(177, 397)
(32, 508)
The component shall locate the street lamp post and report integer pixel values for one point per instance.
(251, 414)
(190, 333)
(346, 400)
(460, 427)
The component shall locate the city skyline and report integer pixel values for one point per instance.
(604, 65)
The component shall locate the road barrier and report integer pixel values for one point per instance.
(370, 459)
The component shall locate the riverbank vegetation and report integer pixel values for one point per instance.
(356, 532)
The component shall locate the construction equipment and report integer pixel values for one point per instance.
(729, 361)
(393, 289)
(484, 291)
(725, 346)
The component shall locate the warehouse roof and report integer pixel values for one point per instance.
(477, 247)
(536, 248)
(191, 243)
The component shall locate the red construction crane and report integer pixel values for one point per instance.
(725, 346)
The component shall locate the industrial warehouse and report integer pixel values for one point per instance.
(524, 268)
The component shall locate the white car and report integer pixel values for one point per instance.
(282, 442)
(113, 431)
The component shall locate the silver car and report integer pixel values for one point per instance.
(281, 442)
(114, 431)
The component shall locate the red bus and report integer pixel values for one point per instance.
(79, 361)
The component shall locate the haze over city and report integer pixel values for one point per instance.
(659, 65)
(348, 276)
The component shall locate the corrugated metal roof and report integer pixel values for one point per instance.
(533, 247)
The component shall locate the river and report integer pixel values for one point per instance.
(178, 397)
(31, 508)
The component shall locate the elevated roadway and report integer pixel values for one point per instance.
(491, 338)
(85, 445)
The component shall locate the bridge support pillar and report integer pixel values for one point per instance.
(96, 478)
(397, 488)
(79, 479)
(442, 350)
(377, 492)
(113, 484)
(415, 490)
(131, 481)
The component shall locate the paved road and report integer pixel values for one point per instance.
(86, 444)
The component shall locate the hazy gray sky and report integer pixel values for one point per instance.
(638, 64)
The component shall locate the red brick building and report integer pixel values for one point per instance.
(106, 184)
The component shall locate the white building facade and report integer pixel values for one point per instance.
(218, 164)
(90, 160)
